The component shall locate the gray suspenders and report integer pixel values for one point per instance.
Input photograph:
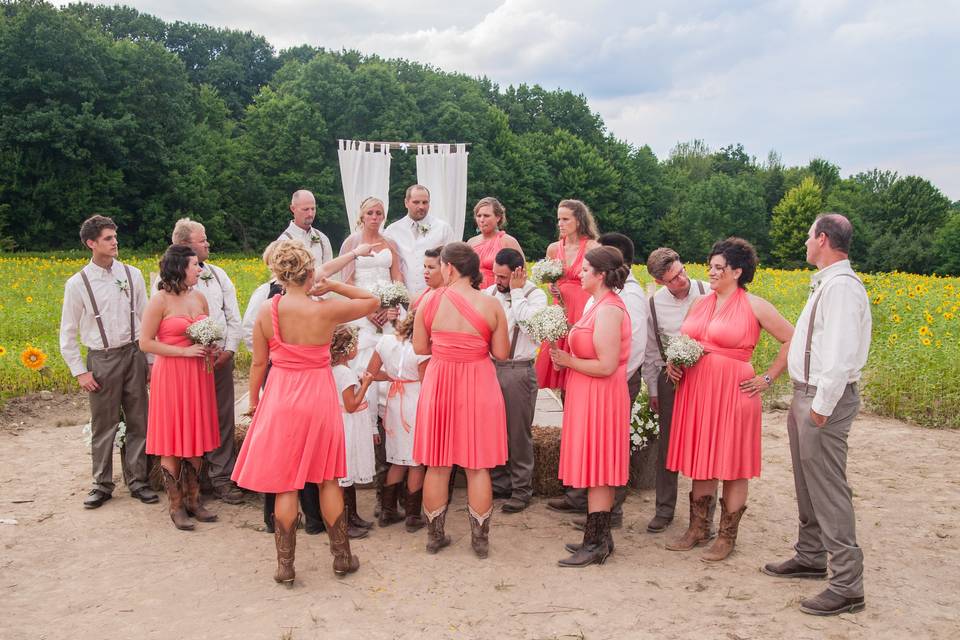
(96, 310)
(656, 323)
(223, 298)
(516, 331)
(813, 317)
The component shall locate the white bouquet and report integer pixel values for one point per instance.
(205, 332)
(683, 351)
(391, 294)
(547, 325)
(546, 271)
(644, 423)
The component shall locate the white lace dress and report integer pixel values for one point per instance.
(369, 271)
(403, 392)
(357, 433)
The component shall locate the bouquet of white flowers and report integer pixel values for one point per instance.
(391, 294)
(644, 423)
(549, 324)
(205, 332)
(546, 271)
(683, 351)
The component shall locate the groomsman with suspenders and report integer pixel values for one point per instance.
(303, 207)
(104, 303)
(221, 295)
(520, 299)
(827, 354)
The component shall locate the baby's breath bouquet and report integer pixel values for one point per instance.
(391, 294)
(547, 325)
(683, 351)
(644, 423)
(205, 332)
(546, 271)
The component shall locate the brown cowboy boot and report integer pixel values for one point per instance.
(699, 530)
(177, 513)
(191, 493)
(389, 513)
(480, 531)
(596, 542)
(344, 562)
(286, 540)
(414, 507)
(436, 539)
(354, 531)
(727, 534)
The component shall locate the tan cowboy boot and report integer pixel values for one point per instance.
(175, 495)
(699, 530)
(286, 540)
(436, 539)
(727, 535)
(191, 493)
(344, 562)
(480, 531)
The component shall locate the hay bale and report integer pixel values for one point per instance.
(155, 477)
(546, 456)
(643, 466)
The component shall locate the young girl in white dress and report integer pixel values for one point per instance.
(359, 437)
(394, 361)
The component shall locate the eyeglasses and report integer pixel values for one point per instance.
(681, 273)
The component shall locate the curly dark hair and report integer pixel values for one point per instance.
(93, 226)
(739, 254)
(464, 259)
(173, 269)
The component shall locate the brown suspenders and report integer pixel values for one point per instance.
(96, 309)
(808, 348)
(656, 323)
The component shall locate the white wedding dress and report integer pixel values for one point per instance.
(369, 271)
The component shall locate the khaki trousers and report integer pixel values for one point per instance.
(220, 461)
(824, 499)
(122, 376)
(518, 383)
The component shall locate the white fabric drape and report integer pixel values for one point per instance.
(363, 172)
(444, 172)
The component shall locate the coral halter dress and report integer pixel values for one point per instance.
(487, 250)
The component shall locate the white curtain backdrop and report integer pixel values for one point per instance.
(363, 172)
(444, 172)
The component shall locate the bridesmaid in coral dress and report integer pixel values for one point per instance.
(595, 444)
(460, 416)
(431, 275)
(578, 234)
(715, 433)
(290, 442)
(182, 417)
(491, 218)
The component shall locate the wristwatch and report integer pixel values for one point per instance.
(767, 379)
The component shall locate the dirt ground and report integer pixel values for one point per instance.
(124, 571)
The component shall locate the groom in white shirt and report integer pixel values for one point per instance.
(415, 233)
(303, 207)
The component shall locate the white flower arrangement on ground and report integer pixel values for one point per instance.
(205, 332)
(391, 294)
(547, 325)
(118, 440)
(546, 271)
(644, 423)
(683, 351)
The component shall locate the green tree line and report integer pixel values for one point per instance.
(109, 110)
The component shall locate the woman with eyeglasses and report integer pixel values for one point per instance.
(715, 432)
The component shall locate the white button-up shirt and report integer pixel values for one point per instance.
(520, 304)
(635, 300)
(671, 312)
(412, 242)
(112, 291)
(257, 298)
(841, 336)
(314, 240)
(221, 295)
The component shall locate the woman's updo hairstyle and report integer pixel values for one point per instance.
(344, 341)
(291, 263)
(739, 254)
(498, 210)
(404, 329)
(464, 259)
(173, 268)
(609, 262)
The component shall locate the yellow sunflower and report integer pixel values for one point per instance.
(925, 331)
(29, 299)
(3, 351)
(925, 341)
(33, 358)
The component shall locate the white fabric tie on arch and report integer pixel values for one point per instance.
(444, 173)
(363, 172)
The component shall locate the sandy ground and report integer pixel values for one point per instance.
(124, 571)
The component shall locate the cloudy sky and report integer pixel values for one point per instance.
(862, 83)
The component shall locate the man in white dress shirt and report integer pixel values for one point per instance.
(827, 354)
(221, 295)
(415, 233)
(520, 299)
(104, 303)
(303, 206)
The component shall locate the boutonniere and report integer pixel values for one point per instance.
(123, 285)
(813, 286)
(206, 276)
(423, 228)
(314, 239)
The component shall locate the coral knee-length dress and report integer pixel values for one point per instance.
(461, 418)
(595, 441)
(296, 435)
(715, 433)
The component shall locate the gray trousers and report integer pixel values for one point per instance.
(220, 461)
(666, 480)
(824, 499)
(122, 376)
(518, 383)
(578, 497)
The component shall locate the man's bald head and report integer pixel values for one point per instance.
(301, 194)
(837, 228)
(303, 206)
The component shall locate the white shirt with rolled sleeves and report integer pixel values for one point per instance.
(412, 243)
(257, 298)
(841, 336)
(113, 302)
(314, 240)
(520, 304)
(215, 285)
(671, 312)
(635, 300)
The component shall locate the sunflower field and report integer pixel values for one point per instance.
(911, 373)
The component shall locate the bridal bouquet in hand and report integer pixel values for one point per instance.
(205, 332)
(683, 351)
(391, 294)
(547, 325)
(546, 271)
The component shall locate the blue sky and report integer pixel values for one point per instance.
(861, 83)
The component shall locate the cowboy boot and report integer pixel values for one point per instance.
(389, 513)
(413, 508)
(177, 513)
(596, 546)
(480, 531)
(344, 562)
(349, 506)
(354, 519)
(191, 493)
(286, 540)
(436, 539)
(699, 530)
(726, 535)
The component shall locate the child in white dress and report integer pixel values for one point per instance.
(394, 361)
(359, 440)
